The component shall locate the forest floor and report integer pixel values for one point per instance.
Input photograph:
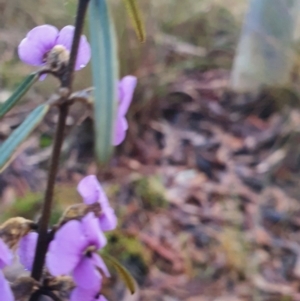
(206, 191)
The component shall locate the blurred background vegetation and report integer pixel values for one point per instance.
(207, 27)
(206, 183)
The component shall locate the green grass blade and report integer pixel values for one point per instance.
(10, 146)
(136, 18)
(18, 93)
(122, 271)
(105, 76)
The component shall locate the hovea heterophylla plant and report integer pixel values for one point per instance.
(64, 262)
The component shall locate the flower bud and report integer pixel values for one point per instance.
(24, 287)
(14, 229)
(58, 58)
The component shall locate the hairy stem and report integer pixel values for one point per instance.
(66, 82)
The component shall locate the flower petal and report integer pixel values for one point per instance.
(65, 251)
(42, 77)
(121, 126)
(98, 262)
(108, 219)
(91, 191)
(5, 255)
(125, 124)
(27, 249)
(6, 293)
(65, 38)
(84, 53)
(86, 276)
(126, 90)
(101, 298)
(92, 231)
(80, 294)
(37, 43)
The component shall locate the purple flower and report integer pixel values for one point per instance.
(5, 255)
(73, 251)
(6, 293)
(26, 249)
(39, 41)
(126, 90)
(5, 259)
(91, 191)
(79, 294)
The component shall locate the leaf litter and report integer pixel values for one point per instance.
(205, 186)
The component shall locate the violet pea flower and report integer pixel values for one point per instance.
(5, 259)
(39, 42)
(126, 89)
(91, 191)
(26, 249)
(79, 294)
(73, 250)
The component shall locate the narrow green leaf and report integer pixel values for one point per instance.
(123, 272)
(105, 76)
(136, 18)
(9, 147)
(18, 93)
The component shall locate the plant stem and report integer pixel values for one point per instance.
(81, 12)
(66, 82)
(42, 243)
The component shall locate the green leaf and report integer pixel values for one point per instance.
(105, 76)
(18, 93)
(9, 147)
(123, 272)
(136, 18)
